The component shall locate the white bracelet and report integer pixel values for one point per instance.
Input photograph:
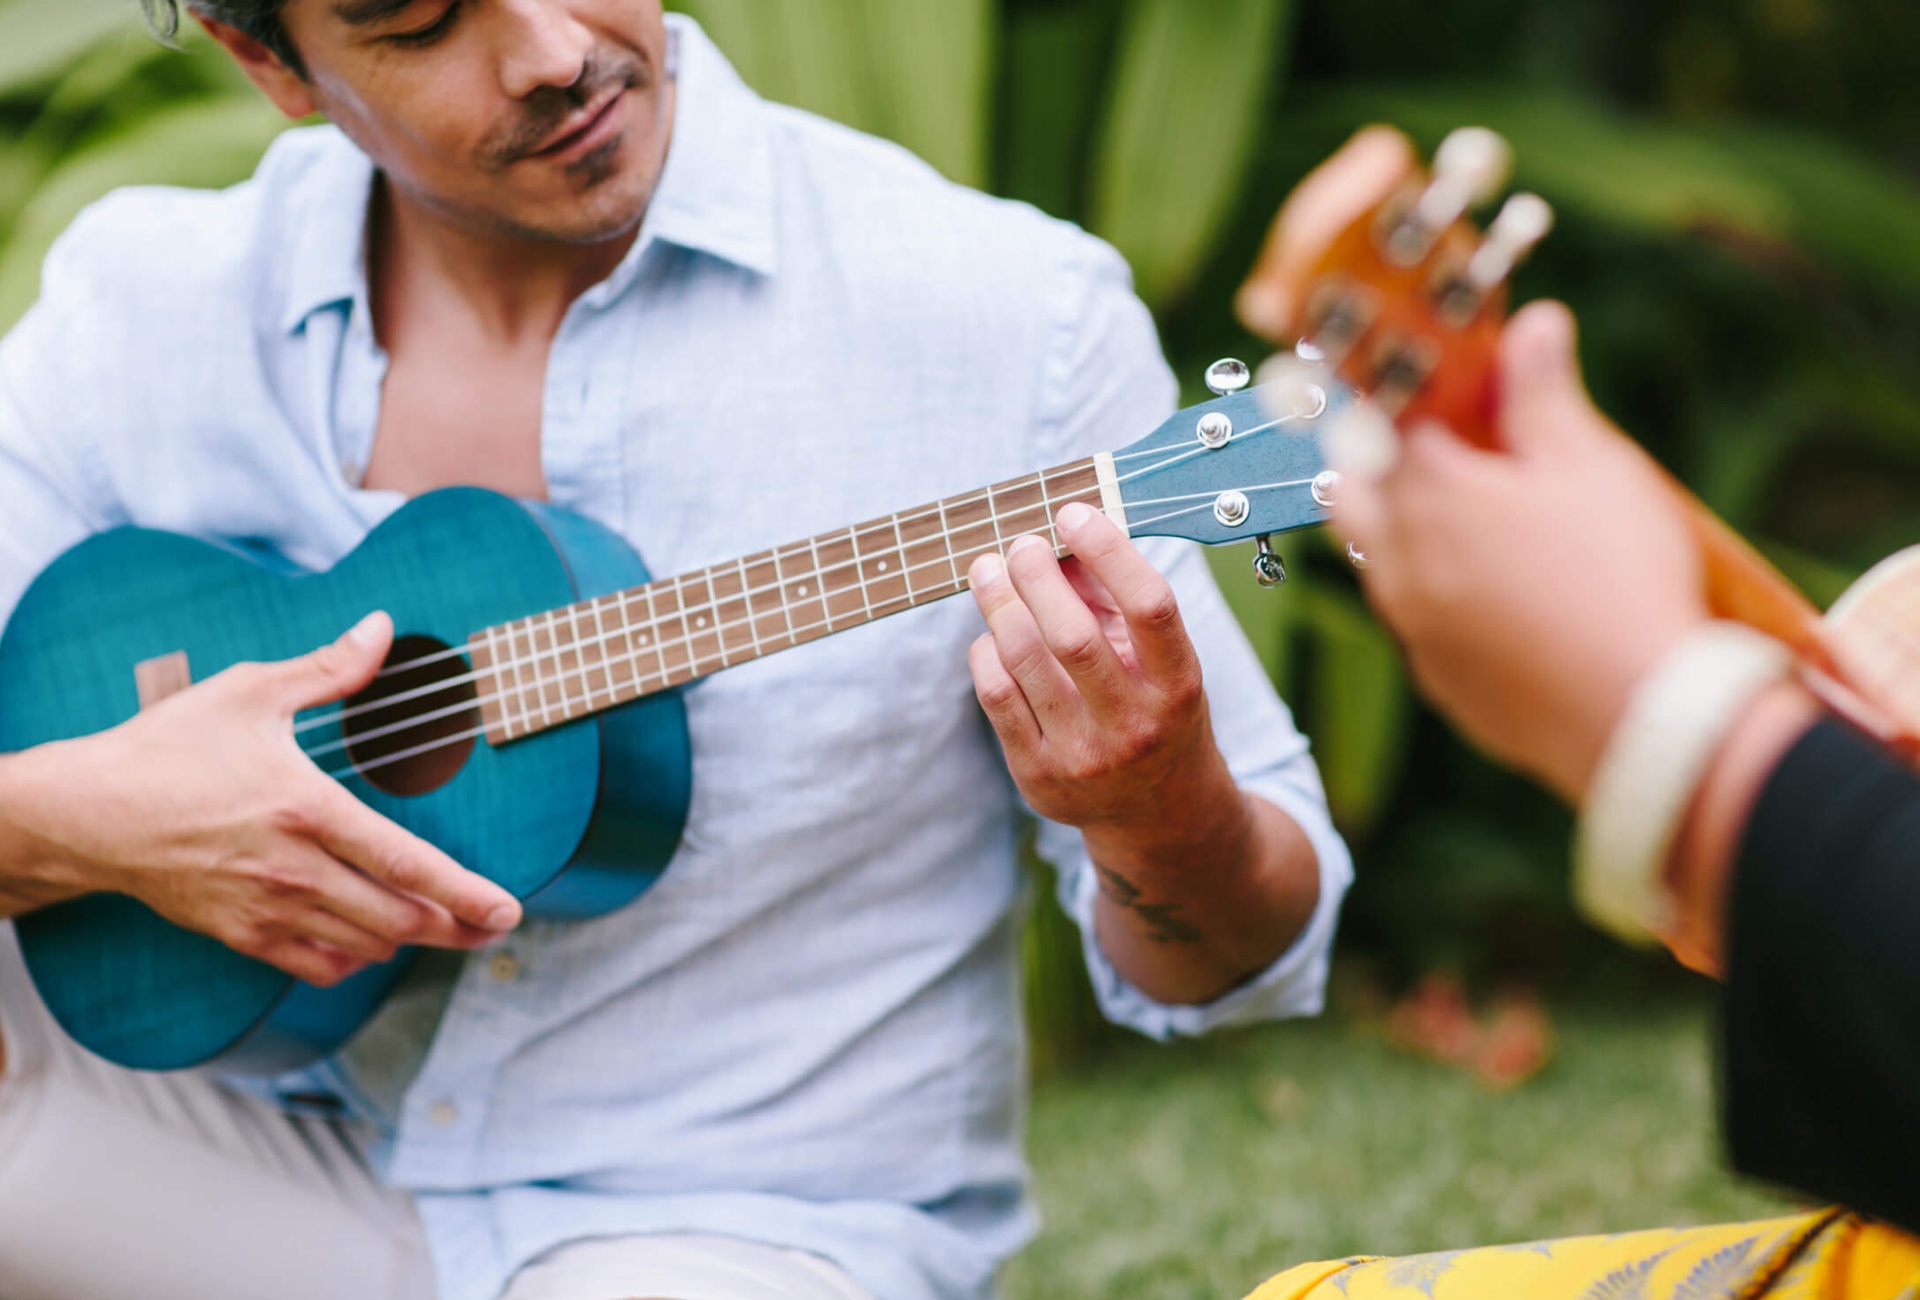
(1653, 762)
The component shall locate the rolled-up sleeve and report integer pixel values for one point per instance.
(51, 491)
(1107, 384)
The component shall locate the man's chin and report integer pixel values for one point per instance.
(580, 223)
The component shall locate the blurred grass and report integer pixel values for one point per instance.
(1199, 1171)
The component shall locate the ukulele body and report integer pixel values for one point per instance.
(578, 820)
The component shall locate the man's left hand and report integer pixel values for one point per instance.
(1091, 683)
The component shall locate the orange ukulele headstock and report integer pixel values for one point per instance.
(1406, 303)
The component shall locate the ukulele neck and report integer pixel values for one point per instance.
(553, 668)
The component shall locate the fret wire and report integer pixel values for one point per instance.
(579, 661)
(600, 643)
(906, 569)
(680, 612)
(522, 663)
(719, 621)
(946, 538)
(500, 699)
(820, 581)
(533, 639)
(1046, 508)
(653, 633)
(636, 683)
(860, 571)
(786, 606)
(559, 668)
(608, 654)
(746, 597)
(499, 677)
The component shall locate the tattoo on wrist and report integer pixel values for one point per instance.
(1163, 920)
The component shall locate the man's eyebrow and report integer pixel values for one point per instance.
(360, 13)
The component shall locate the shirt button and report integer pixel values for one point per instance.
(504, 966)
(350, 471)
(444, 1113)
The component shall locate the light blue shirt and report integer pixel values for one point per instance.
(809, 1032)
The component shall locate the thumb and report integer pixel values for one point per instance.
(1542, 398)
(347, 665)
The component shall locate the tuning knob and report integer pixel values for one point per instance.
(1227, 377)
(1476, 159)
(1268, 568)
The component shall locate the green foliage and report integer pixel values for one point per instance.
(1196, 1174)
(1740, 233)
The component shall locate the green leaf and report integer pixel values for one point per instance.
(915, 72)
(1055, 64)
(1361, 705)
(207, 143)
(1179, 129)
(39, 38)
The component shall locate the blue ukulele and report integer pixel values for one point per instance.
(527, 721)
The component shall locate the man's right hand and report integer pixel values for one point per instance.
(205, 808)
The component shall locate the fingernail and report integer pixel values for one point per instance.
(1027, 542)
(988, 571)
(1076, 515)
(364, 634)
(504, 917)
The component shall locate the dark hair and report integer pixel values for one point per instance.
(259, 19)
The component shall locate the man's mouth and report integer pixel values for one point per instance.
(585, 128)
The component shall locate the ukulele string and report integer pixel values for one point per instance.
(923, 513)
(686, 642)
(714, 603)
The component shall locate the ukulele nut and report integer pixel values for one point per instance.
(1215, 430)
(1326, 488)
(1231, 508)
(1227, 377)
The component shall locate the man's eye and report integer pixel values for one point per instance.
(426, 35)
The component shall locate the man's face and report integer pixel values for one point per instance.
(538, 119)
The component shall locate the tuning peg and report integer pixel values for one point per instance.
(1523, 222)
(1476, 159)
(1227, 377)
(1470, 167)
(1291, 388)
(1268, 568)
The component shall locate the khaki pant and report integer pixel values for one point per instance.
(115, 1184)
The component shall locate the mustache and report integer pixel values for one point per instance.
(546, 108)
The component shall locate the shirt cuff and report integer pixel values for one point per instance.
(1296, 983)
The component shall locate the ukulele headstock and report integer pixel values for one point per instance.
(1404, 305)
(1401, 318)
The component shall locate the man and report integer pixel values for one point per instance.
(555, 248)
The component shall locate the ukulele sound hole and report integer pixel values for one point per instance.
(411, 730)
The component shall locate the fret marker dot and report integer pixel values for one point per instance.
(883, 566)
(645, 640)
(801, 590)
(701, 621)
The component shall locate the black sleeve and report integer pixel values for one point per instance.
(1820, 1063)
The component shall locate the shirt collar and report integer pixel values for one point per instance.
(715, 195)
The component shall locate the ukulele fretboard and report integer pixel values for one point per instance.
(568, 663)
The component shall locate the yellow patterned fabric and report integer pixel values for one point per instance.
(1831, 1255)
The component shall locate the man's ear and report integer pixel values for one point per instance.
(287, 88)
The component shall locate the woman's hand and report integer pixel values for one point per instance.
(1532, 588)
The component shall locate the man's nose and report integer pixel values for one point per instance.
(540, 45)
